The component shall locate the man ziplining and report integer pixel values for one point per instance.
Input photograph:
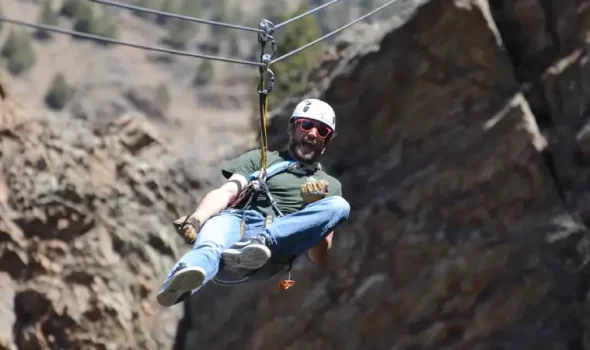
(258, 222)
(252, 226)
(242, 228)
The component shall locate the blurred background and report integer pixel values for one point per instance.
(463, 149)
(98, 82)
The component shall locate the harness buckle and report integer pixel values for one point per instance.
(256, 186)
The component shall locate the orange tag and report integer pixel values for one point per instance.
(286, 284)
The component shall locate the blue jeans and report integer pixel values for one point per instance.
(291, 234)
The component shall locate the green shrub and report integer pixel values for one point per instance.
(19, 52)
(49, 17)
(205, 73)
(70, 8)
(59, 92)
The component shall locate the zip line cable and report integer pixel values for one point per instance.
(173, 15)
(305, 14)
(124, 43)
(200, 20)
(265, 31)
(336, 31)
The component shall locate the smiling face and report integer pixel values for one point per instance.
(308, 139)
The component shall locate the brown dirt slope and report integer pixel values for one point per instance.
(85, 233)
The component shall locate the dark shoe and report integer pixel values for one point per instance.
(180, 282)
(249, 252)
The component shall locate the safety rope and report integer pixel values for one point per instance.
(265, 87)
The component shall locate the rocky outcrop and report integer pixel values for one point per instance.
(102, 102)
(85, 233)
(463, 150)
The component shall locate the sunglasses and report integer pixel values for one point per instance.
(307, 125)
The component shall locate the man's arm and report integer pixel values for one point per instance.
(218, 199)
(319, 253)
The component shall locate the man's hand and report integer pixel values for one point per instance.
(214, 202)
(187, 229)
(318, 254)
(314, 191)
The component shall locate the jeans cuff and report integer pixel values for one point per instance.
(269, 237)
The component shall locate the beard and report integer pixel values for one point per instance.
(304, 152)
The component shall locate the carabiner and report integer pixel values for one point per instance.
(271, 75)
(268, 29)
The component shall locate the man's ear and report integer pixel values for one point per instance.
(291, 129)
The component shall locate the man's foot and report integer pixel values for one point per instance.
(249, 252)
(182, 281)
(232, 277)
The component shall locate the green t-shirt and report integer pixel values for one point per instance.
(285, 186)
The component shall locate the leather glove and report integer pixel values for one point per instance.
(186, 229)
(314, 191)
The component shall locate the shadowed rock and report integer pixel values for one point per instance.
(460, 156)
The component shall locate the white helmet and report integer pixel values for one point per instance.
(316, 110)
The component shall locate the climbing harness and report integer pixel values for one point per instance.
(257, 184)
(258, 181)
(275, 265)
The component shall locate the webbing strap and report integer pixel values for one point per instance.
(273, 169)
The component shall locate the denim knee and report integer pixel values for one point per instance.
(338, 206)
(209, 245)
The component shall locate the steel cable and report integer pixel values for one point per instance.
(188, 18)
(124, 43)
(173, 15)
(306, 13)
(335, 31)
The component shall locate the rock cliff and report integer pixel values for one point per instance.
(85, 233)
(463, 149)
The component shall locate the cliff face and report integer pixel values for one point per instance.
(463, 150)
(85, 233)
